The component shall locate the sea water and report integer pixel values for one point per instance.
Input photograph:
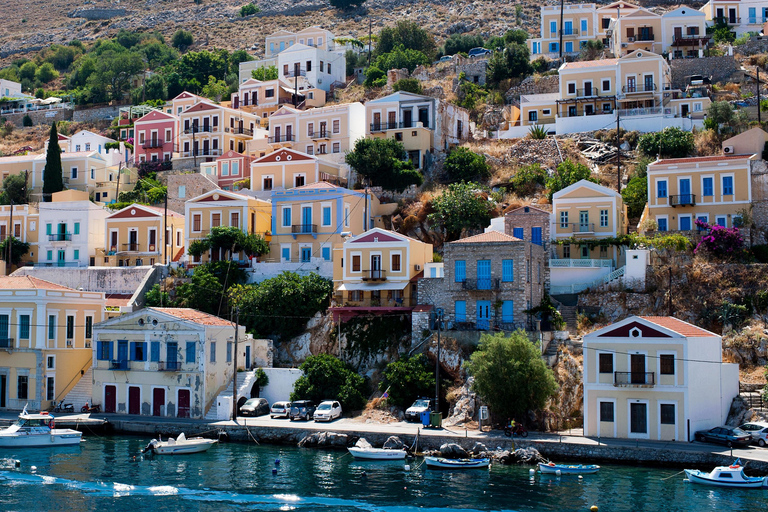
(102, 475)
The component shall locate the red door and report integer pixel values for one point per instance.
(110, 398)
(134, 400)
(158, 401)
(183, 403)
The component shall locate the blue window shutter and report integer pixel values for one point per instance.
(508, 311)
(327, 253)
(327, 216)
(460, 269)
(460, 308)
(48, 228)
(132, 355)
(77, 228)
(508, 270)
(286, 254)
(99, 350)
(536, 236)
(155, 351)
(190, 351)
(518, 233)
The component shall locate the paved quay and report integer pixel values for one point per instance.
(563, 446)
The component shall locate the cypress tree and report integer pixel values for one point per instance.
(52, 178)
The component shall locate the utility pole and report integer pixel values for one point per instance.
(439, 314)
(10, 241)
(618, 151)
(365, 208)
(560, 47)
(119, 168)
(370, 28)
(234, 376)
(759, 119)
(165, 231)
(194, 147)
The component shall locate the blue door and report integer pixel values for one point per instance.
(460, 308)
(122, 353)
(568, 28)
(306, 254)
(483, 314)
(507, 312)
(685, 223)
(685, 191)
(247, 356)
(306, 219)
(483, 274)
(536, 236)
(518, 233)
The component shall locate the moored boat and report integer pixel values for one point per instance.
(180, 446)
(376, 453)
(726, 476)
(551, 468)
(443, 463)
(35, 430)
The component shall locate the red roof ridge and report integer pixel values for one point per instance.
(679, 326)
(193, 315)
(11, 282)
(696, 159)
(488, 237)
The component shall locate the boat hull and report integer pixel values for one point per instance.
(697, 477)
(377, 454)
(566, 469)
(184, 448)
(441, 463)
(65, 438)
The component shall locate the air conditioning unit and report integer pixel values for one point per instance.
(417, 267)
(87, 344)
(69, 343)
(728, 150)
(624, 45)
(631, 39)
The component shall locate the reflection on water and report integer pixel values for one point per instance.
(101, 475)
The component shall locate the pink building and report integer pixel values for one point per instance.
(228, 169)
(156, 135)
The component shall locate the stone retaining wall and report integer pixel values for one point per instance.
(40, 117)
(719, 68)
(88, 115)
(98, 14)
(755, 45)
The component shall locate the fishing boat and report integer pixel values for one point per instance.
(370, 453)
(34, 430)
(442, 463)
(550, 468)
(179, 446)
(726, 476)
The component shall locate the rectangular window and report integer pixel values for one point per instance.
(24, 327)
(76, 254)
(235, 168)
(286, 217)
(229, 351)
(707, 187)
(662, 223)
(190, 352)
(460, 309)
(154, 348)
(508, 311)
(70, 327)
(182, 191)
(336, 125)
(518, 233)
(606, 363)
(22, 387)
(661, 189)
(395, 263)
(460, 271)
(727, 185)
(104, 351)
(346, 215)
(583, 27)
(74, 173)
(667, 414)
(88, 327)
(606, 412)
(571, 88)
(77, 228)
(326, 252)
(563, 219)
(50, 388)
(48, 229)
(507, 270)
(326, 215)
(225, 168)
(138, 351)
(215, 220)
(336, 147)
(196, 221)
(356, 263)
(553, 27)
(213, 352)
(603, 218)
(667, 364)
(234, 219)
(52, 327)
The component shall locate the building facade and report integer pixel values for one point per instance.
(156, 135)
(230, 171)
(286, 168)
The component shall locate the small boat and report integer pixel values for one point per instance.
(376, 453)
(440, 462)
(726, 476)
(180, 446)
(568, 469)
(33, 430)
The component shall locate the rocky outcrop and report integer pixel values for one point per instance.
(566, 408)
(316, 339)
(529, 456)
(465, 407)
(747, 347)
(739, 412)
(393, 443)
(453, 451)
(325, 439)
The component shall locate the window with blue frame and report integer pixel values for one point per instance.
(536, 236)
(51, 327)
(213, 352)
(138, 351)
(104, 351)
(77, 228)
(553, 47)
(518, 233)
(583, 27)
(286, 217)
(553, 26)
(154, 351)
(190, 352)
(508, 311)
(707, 187)
(727, 185)
(507, 270)
(48, 229)
(568, 46)
(662, 223)
(484, 281)
(460, 271)
(327, 253)
(326, 215)
(24, 327)
(460, 310)
(661, 188)
(77, 254)
(286, 254)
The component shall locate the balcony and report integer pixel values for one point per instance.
(308, 229)
(631, 89)
(294, 73)
(576, 227)
(201, 152)
(239, 131)
(592, 92)
(169, 366)
(121, 364)
(201, 129)
(572, 32)
(130, 247)
(579, 263)
(281, 138)
(6, 343)
(374, 275)
(757, 20)
(322, 134)
(382, 302)
(682, 200)
(691, 40)
(483, 283)
(634, 379)
(383, 127)
(644, 36)
(726, 20)
(155, 143)
(60, 237)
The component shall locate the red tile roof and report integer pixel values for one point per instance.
(118, 300)
(489, 237)
(699, 159)
(171, 213)
(194, 315)
(318, 184)
(27, 282)
(678, 326)
(591, 63)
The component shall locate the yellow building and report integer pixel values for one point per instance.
(134, 236)
(45, 340)
(377, 271)
(264, 98)
(224, 208)
(639, 29)
(286, 168)
(684, 32)
(25, 221)
(683, 190)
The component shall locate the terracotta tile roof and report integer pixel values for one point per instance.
(590, 63)
(194, 315)
(700, 159)
(118, 300)
(27, 282)
(171, 213)
(489, 237)
(318, 184)
(678, 326)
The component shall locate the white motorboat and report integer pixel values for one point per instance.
(726, 476)
(33, 430)
(180, 446)
(568, 469)
(443, 463)
(370, 453)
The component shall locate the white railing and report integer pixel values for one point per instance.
(619, 272)
(643, 111)
(580, 263)
(580, 287)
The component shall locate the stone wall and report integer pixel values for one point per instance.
(40, 117)
(528, 217)
(194, 183)
(755, 45)
(534, 85)
(89, 115)
(98, 14)
(719, 68)
(110, 280)
(759, 173)
(475, 70)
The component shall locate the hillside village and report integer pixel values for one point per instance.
(220, 224)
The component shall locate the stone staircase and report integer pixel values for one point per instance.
(82, 392)
(569, 315)
(245, 382)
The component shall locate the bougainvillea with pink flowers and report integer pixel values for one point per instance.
(719, 241)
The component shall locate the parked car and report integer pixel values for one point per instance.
(446, 58)
(479, 52)
(729, 436)
(255, 407)
(328, 410)
(302, 410)
(758, 431)
(413, 413)
(280, 410)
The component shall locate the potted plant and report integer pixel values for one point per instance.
(648, 226)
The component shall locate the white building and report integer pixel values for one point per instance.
(10, 89)
(313, 67)
(86, 141)
(741, 16)
(656, 378)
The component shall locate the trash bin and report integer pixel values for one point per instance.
(436, 420)
(425, 419)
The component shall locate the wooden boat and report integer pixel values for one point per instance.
(35, 430)
(442, 463)
(376, 453)
(568, 469)
(726, 476)
(180, 446)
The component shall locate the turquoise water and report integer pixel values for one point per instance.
(100, 475)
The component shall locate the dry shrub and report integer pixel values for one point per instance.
(732, 88)
(409, 223)
(707, 143)
(514, 202)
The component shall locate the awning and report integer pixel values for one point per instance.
(372, 287)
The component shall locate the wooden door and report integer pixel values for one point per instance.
(134, 400)
(638, 368)
(638, 418)
(158, 401)
(110, 399)
(183, 403)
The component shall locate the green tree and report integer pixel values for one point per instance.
(528, 179)
(115, 70)
(591, 49)
(510, 375)
(375, 77)
(158, 54)
(18, 250)
(248, 10)
(182, 40)
(198, 66)
(346, 4)
(156, 298)
(566, 174)
(635, 195)
(517, 36)
(720, 113)
(407, 33)
(408, 85)
(326, 377)
(514, 61)
(462, 206)
(381, 161)
(401, 57)
(461, 43)
(670, 142)
(52, 178)
(46, 73)
(127, 38)
(15, 189)
(155, 88)
(26, 121)
(464, 165)
(28, 70)
(231, 240)
(204, 293)
(265, 73)
(407, 379)
(62, 56)
(215, 89)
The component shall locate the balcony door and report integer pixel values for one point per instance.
(288, 132)
(122, 353)
(483, 274)
(134, 400)
(376, 266)
(637, 367)
(306, 219)
(172, 353)
(376, 121)
(648, 82)
(407, 118)
(391, 120)
(483, 314)
(133, 240)
(424, 117)
(277, 134)
(631, 84)
(685, 191)
(568, 28)
(62, 258)
(584, 221)
(587, 88)
(638, 418)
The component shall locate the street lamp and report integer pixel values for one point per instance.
(439, 314)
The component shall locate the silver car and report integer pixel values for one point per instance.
(280, 410)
